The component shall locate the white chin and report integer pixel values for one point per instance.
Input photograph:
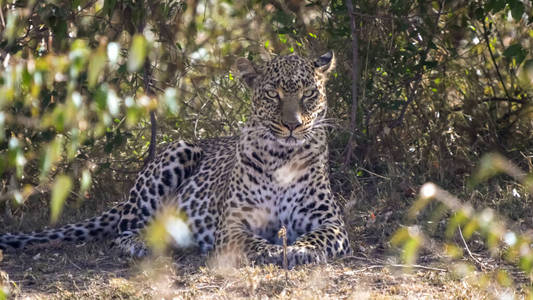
(290, 141)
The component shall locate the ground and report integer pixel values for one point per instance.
(374, 271)
(92, 272)
(88, 272)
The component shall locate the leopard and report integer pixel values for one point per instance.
(238, 192)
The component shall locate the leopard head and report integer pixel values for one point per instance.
(289, 96)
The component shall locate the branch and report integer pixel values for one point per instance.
(502, 99)
(398, 121)
(486, 37)
(498, 99)
(153, 120)
(147, 77)
(355, 70)
(476, 261)
(418, 77)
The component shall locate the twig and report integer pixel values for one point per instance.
(501, 99)
(392, 17)
(418, 267)
(355, 72)
(400, 266)
(375, 174)
(2, 18)
(374, 260)
(468, 249)
(414, 88)
(75, 265)
(486, 36)
(153, 135)
(282, 233)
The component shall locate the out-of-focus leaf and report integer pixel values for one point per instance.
(109, 6)
(137, 53)
(453, 251)
(517, 9)
(74, 142)
(516, 51)
(113, 51)
(170, 227)
(51, 155)
(96, 65)
(85, 181)
(60, 191)
(11, 27)
(113, 102)
(525, 74)
(470, 228)
(171, 100)
(495, 5)
(489, 165)
(410, 250)
(79, 54)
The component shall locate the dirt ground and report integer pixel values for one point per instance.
(94, 272)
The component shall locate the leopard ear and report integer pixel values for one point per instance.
(247, 71)
(325, 63)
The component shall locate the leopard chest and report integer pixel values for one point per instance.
(272, 199)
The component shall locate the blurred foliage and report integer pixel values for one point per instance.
(469, 224)
(440, 84)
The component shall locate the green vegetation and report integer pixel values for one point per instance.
(443, 94)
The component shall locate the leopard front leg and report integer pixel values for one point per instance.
(317, 246)
(236, 245)
(160, 178)
(325, 242)
(321, 231)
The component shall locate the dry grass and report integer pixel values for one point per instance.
(91, 272)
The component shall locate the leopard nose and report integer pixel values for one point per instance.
(291, 125)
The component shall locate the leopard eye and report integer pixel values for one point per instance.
(272, 94)
(309, 93)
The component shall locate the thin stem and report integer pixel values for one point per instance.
(486, 36)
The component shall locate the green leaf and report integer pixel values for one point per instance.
(515, 51)
(495, 5)
(282, 38)
(517, 9)
(60, 191)
(480, 14)
(60, 29)
(109, 6)
(525, 75)
(137, 53)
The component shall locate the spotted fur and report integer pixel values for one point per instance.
(237, 192)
